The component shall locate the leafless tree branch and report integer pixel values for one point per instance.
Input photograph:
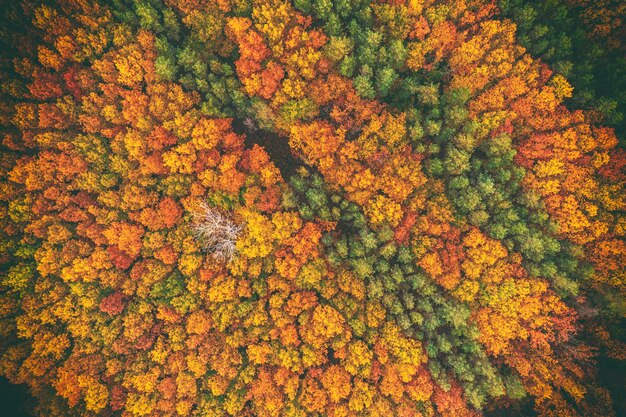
(216, 233)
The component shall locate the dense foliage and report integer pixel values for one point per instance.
(433, 226)
(584, 41)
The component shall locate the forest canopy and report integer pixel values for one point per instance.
(342, 208)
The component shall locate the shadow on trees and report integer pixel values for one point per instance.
(276, 146)
(16, 400)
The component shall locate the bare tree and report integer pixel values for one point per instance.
(215, 232)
